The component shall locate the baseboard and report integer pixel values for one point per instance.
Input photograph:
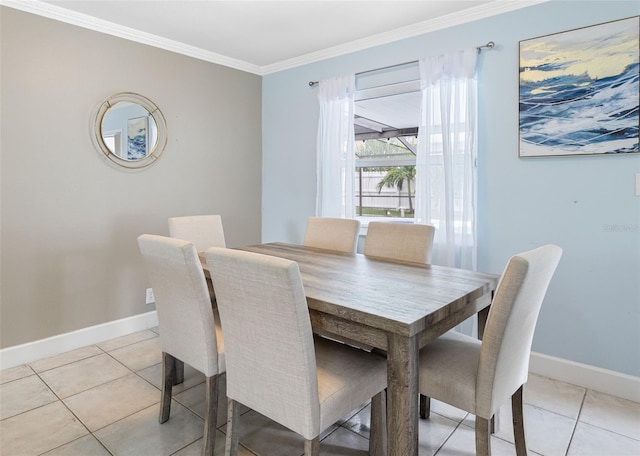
(33, 351)
(603, 380)
(595, 378)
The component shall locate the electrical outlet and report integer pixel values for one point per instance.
(150, 298)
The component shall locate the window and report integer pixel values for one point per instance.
(385, 175)
(113, 140)
(386, 139)
(439, 108)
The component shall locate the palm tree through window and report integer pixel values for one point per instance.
(387, 114)
(385, 175)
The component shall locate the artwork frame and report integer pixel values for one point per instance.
(579, 91)
(137, 138)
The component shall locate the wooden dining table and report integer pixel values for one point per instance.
(395, 307)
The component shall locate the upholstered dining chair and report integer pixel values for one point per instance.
(339, 235)
(480, 376)
(399, 241)
(274, 364)
(203, 231)
(189, 330)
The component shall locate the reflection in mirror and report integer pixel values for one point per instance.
(130, 130)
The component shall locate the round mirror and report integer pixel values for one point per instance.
(130, 130)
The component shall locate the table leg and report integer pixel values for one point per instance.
(402, 395)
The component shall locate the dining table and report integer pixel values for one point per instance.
(391, 306)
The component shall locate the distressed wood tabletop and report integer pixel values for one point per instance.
(396, 307)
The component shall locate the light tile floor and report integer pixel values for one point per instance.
(104, 399)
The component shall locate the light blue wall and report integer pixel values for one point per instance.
(584, 204)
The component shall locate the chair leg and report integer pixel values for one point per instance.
(425, 406)
(231, 443)
(179, 377)
(483, 437)
(168, 377)
(212, 293)
(378, 435)
(211, 416)
(518, 423)
(312, 447)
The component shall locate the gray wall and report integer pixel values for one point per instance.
(592, 311)
(69, 218)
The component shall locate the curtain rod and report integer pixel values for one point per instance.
(489, 45)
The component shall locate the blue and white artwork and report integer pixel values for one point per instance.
(579, 91)
(137, 138)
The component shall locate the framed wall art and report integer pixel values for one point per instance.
(137, 138)
(579, 91)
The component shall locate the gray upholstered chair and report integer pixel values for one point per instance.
(274, 365)
(203, 231)
(399, 241)
(189, 330)
(480, 376)
(339, 235)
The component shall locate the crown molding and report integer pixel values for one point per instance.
(128, 33)
(99, 25)
(450, 20)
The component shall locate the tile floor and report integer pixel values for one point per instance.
(104, 400)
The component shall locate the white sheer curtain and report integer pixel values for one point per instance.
(335, 157)
(445, 159)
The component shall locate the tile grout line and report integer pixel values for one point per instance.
(173, 399)
(450, 435)
(20, 378)
(130, 371)
(578, 420)
(553, 411)
(59, 399)
(575, 423)
(93, 432)
(64, 364)
(71, 411)
(155, 336)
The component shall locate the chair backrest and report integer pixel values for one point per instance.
(399, 241)
(340, 235)
(203, 231)
(508, 334)
(269, 350)
(183, 304)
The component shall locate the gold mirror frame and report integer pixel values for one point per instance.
(97, 134)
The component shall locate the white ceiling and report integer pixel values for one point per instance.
(266, 36)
